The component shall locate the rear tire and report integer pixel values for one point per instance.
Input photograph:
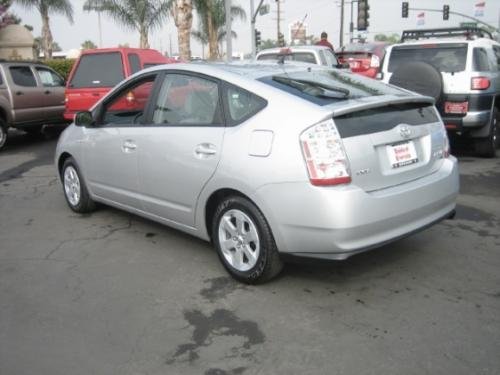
(487, 147)
(75, 191)
(4, 134)
(244, 241)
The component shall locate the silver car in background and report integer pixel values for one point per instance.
(263, 160)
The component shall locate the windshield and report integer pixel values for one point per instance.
(444, 57)
(328, 86)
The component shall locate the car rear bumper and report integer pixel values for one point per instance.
(477, 116)
(338, 222)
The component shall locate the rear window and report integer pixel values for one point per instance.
(444, 57)
(384, 118)
(98, 70)
(344, 86)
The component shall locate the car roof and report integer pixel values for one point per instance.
(478, 41)
(306, 48)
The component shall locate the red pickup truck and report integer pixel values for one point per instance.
(98, 70)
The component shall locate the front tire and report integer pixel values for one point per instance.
(4, 134)
(244, 241)
(75, 191)
(487, 147)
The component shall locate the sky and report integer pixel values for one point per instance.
(319, 15)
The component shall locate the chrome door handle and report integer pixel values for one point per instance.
(128, 146)
(205, 149)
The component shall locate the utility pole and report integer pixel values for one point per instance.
(229, 48)
(253, 14)
(99, 27)
(341, 36)
(278, 19)
(351, 25)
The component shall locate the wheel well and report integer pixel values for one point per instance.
(214, 200)
(62, 159)
(497, 103)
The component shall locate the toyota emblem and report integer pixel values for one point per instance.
(405, 131)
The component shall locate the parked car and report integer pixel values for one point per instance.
(31, 95)
(98, 70)
(363, 58)
(460, 68)
(319, 55)
(265, 159)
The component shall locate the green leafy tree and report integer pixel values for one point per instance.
(268, 43)
(212, 18)
(88, 44)
(46, 8)
(140, 15)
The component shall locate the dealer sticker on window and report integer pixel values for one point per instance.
(402, 154)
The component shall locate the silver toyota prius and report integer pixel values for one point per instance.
(264, 160)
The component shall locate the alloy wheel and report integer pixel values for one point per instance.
(72, 187)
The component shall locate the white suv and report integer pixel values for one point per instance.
(460, 68)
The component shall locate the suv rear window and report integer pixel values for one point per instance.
(307, 57)
(98, 70)
(444, 57)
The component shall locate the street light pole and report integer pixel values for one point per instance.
(341, 36)
(229, 47)
(253, 14)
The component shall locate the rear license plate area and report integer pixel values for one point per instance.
(456, 108)
(402, 154)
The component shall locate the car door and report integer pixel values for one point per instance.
(53, 93)
(182, 147)
(111, 149)
(26, 94)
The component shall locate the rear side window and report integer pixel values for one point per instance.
(242, 105)
(444, 57)
(331, 60)
(49, 78)
(384, 118)
(98, 70)
(480, 60)
(22, 76)
(1, 79)
(496, 50)
(134, 62)
(304, 57)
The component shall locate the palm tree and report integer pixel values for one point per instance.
(212, 15)
(46, 7)
(202, 37)
(182, 13)
(141, 15)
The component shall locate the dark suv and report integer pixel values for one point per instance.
(31, 95)
(460, 68)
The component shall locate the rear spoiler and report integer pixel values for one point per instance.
(382, 102)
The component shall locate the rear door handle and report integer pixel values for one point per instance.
(205, 149)
(128, 146)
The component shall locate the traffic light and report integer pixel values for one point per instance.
(281, 40)
(446, 12)
(404, 11)
(257, 38)
(363, 14)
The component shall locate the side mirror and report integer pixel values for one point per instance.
(342, 66)
(84, 118)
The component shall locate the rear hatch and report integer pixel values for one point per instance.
(358, 61)
(93, 76)
(391, 143)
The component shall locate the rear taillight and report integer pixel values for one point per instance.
(324, 155)
(375, 62)
(479, 83)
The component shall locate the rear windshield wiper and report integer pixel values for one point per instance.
(306, 85)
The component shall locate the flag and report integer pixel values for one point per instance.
(421, 19)
(479, 9)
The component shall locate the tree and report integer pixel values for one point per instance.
(56, 47)
(88, 44)
(141, 15)
(182, 13)
(393, 38)
(7, 18)
(202, 38)
(45, 8)
(268, 43)
(212, 17)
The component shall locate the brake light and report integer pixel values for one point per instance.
(324, 155)
(479, 83)
(375, 62)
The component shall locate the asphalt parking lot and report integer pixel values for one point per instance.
(111, 293)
